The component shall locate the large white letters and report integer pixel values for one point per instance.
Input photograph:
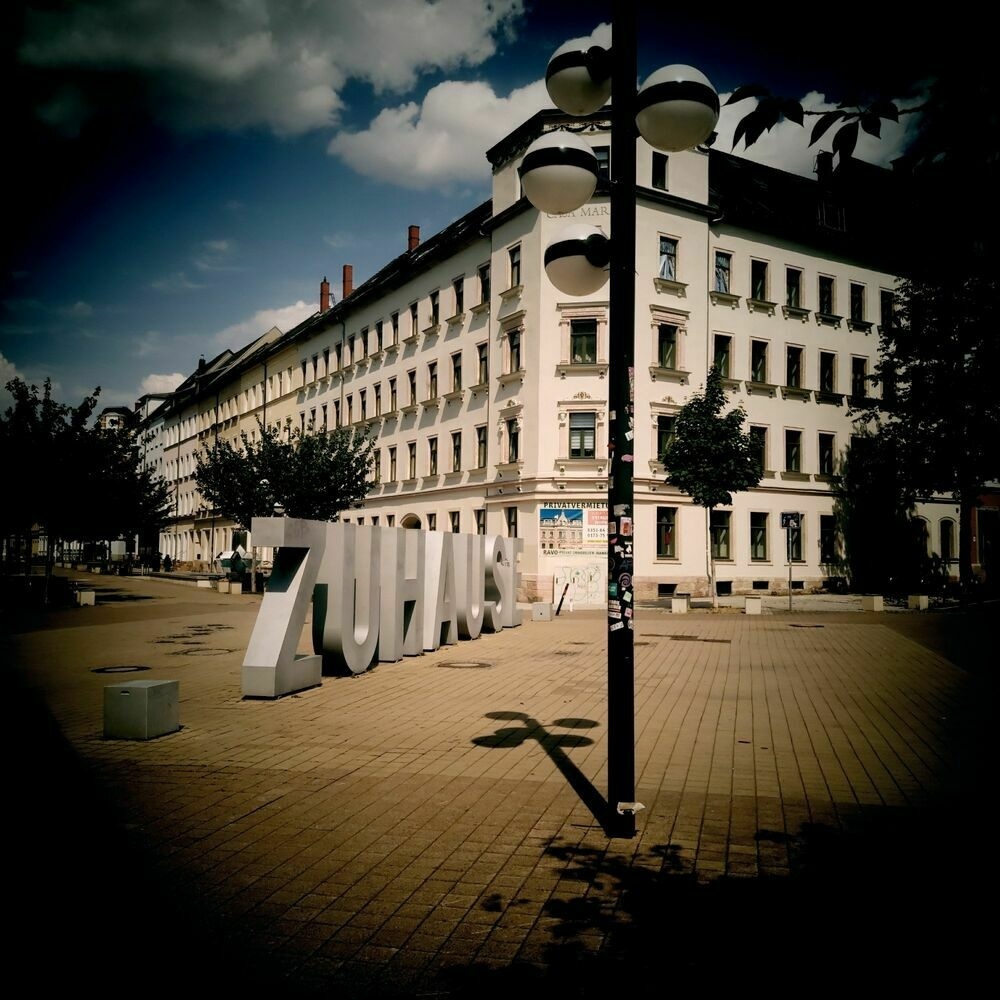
(378, 593)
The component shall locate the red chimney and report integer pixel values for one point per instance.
(348, 280)
(414, 239)
(324, 295)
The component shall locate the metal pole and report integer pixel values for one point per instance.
(788, 546)
(621, 370)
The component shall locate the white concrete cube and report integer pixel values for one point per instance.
(753, 605)
(141, 710)
(871, 602)
(205, 584)
(541, 612)
(86, 597)
(236, 588)
(679, 605)
(917, 602)
(223, 586)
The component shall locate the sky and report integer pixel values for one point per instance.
(183, 173)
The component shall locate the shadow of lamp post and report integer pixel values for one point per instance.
(676, 109)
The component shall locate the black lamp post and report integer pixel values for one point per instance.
(676, 109)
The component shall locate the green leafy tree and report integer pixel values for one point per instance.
(710, 457)
(309, 475)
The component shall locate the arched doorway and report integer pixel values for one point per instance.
(410, 521)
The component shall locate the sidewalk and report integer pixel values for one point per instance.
(428, 828)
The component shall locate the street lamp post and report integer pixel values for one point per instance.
(677, 108)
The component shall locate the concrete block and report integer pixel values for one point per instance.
(141, 710)
(753, 605)
(871, 602)
(917, 602)
(679, 605)
(541, 612)
(86, 597)
(272, 682)
(205, 584)
(223, 586)
(235, 588)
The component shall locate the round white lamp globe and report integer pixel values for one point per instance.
(558, 172)
(579, 80)
(576, 261)
(677, 108)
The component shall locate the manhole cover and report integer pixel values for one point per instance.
(130, 669)
(201, 651)
(563, 652)
(465, 664)
(805, 626)
(696, 638)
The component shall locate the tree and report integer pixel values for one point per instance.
(710, 457)
(308, 475)
(74, 480)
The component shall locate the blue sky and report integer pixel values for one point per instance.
(186, 171)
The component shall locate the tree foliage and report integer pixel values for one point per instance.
(74, 480)
(307, 475)
(710, 457)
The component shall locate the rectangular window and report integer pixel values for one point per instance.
(758, 361)
(377, 465)
(720, 522)
(484, 283)
(583, 341)
(326, 361)
(411, 376)
(349, 359)
(827, 372)
(378, 335)
(826, 454)
(456, 451)
(336, 413)
(364, 342)
(947, 541)
(793, 451)
(392, 464)
(514, 350)
(350, 409)
(305, 372)
(514, 258)
(455, 517)
(414, 328)
(315, 367)
(582, 430)
(793, 367)
(668, 258)
(432, 380)
(390, 520)
(826, 298)
(666, 424)
(666, 539)
(510, 514)
(363, 397)
(723, 271)
(857, 302)
(411, 464)
(392, 395)
(666, 346)
(377, 396)
(312, 419)
(456, 372)
(480, 521)
(323, 411)
(432, 456)
(793, 542)
(827, 538)
(722, 355)
(513, 440)
(659, 171)
(758, 280)
(481, 447)
(458, 289)
(758, 535)
(483, 363)
(603, 154)
(435, 308)
(338, 355)
(432, 522)
(793, 287)
(394, 326)
(859, 377)
(887, 309)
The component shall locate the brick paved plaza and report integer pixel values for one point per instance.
(816, 813)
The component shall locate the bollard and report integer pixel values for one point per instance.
(541, 612)
(917, 602)
(141, 710)
(753, 605)
(871, 602)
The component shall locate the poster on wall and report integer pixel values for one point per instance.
(573, 527)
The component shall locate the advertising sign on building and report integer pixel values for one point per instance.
(573, 527)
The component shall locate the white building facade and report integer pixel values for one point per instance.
(486, 388)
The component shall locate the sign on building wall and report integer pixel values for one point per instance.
(573, 527)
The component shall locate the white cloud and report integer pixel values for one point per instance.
(214, 255)
(176, 282)
(259, 63)
(283, 317)
(148, 343)
(80, 309)
(160, 383)
(787, 147)
(8, 371)
(440, 142)
(339, 240)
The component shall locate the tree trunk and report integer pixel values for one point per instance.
(709, 561)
